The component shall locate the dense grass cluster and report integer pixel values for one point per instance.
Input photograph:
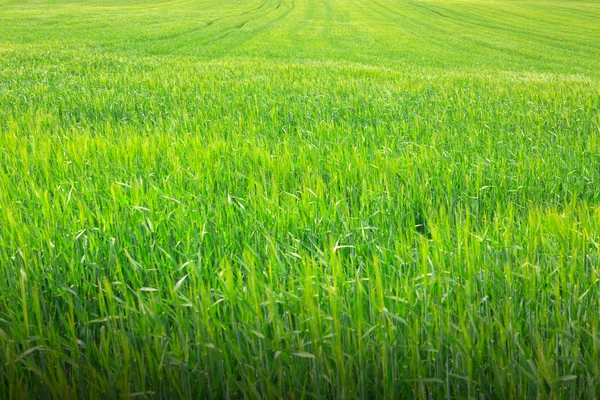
(299, 199)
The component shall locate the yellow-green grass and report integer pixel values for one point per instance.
(264, 199)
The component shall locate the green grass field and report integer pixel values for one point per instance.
(299, 199)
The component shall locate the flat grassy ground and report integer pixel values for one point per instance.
(300, 199)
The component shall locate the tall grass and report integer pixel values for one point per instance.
(281, 226)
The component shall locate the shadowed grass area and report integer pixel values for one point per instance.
(299, 199)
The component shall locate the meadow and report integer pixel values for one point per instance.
(299, 199)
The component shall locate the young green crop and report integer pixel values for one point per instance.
(302, 199)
